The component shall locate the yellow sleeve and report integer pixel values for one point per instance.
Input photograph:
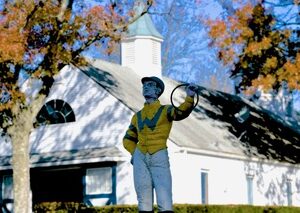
(131, 138)
(183, 111)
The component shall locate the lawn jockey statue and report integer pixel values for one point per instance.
(146, 140)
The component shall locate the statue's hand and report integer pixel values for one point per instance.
(191, 89)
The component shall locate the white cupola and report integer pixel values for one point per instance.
(141, 46)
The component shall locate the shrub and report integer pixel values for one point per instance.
(60, 207)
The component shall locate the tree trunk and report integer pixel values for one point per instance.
(21, 175)
(19, 133)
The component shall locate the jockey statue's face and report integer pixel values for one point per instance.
(150, 90)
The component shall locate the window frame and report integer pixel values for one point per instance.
(56, 107)
(93, 172)
(289, 192)
(111, 196)
(6, 203)
(204, 187)
(249, 180)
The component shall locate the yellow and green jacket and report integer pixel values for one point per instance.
(150, 127)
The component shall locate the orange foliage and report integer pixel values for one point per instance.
(234, 34)
(17, 37)
(12, 32)
(264, 82)
(217, 29)
(290, 73)
(227, 55)
(244, 14)
(256, 48)
(271, 63)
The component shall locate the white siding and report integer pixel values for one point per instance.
(101, 119)
(227, 182)
(125, 187)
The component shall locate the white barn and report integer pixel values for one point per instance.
(215, 159)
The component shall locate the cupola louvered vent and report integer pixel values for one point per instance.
(155, 52)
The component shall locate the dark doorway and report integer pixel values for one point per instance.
(61, 185)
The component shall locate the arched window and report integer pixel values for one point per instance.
(55, 112)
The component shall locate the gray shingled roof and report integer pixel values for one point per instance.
(212, 125)
(68, 157)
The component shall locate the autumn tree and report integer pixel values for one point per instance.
(38, 38)
(261, 54)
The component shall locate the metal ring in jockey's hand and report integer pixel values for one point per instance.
(183, 85)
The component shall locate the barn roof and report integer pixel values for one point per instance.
(69, 157)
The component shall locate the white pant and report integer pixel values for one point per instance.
(152, 172)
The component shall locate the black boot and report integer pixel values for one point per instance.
(146, 211)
